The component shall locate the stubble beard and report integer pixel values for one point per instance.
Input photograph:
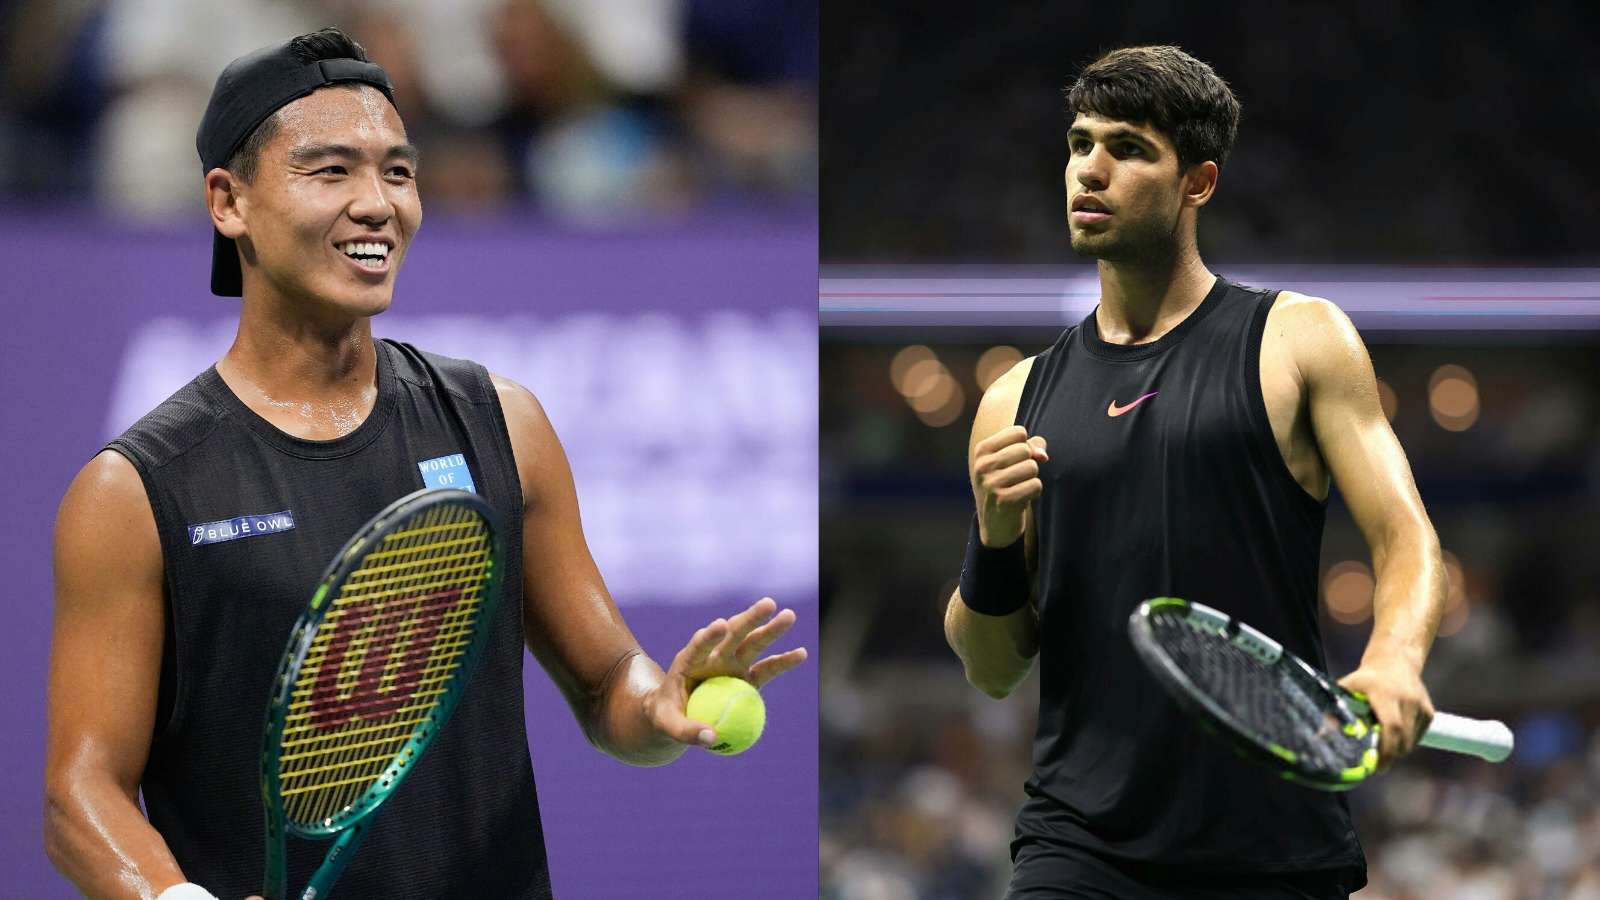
(1142, 243)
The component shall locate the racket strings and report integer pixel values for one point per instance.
(416, 676)
(1274, 703)
(381, 632)
(366, 702)
(340, 752)
(392, 642)
(403, 638)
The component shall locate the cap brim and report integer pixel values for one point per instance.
(226, 280)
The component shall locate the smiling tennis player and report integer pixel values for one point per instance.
(185, 550)
(1179, 441)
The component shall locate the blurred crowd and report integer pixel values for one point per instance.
(922, 774)
(590, 112)
(1371, 131)
(918, 801)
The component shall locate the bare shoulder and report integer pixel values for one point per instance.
(105, 529)
(1307, 313)
(1315, 333)
(107, 493)
(998, 408)
(534, 444)
(525, 416)
(515, 400)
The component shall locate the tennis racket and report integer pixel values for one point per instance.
(1271, 705)
(373, 669)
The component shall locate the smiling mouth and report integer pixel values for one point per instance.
(370, 255)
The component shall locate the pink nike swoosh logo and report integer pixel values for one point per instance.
(1114, 410)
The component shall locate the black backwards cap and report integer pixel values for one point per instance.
(249, 90)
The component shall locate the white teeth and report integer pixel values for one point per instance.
(364, 248)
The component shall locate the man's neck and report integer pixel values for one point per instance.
(1140, 302)
(312, 379)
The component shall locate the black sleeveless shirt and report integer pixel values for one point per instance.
(1164, 480)
(248, 518)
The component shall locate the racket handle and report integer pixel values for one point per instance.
(1484, 738)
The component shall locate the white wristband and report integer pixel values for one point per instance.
(186, 891)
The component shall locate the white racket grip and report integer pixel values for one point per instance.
(1484, 738)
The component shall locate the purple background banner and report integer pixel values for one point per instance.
(679, 366)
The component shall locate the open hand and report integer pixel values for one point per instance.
(731, 646)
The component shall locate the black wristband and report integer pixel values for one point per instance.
(994, 581)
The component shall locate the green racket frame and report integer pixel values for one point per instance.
(1487, 739)
(350, 824)
(1217, 719)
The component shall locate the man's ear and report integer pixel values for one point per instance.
(225, 202)
(1199, 183)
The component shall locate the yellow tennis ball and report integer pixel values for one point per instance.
(731, 706)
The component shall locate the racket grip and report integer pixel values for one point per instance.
(1484, 738)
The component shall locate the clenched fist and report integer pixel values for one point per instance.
(1005, 479)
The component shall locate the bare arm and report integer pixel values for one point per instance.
(105, 667)
(627, 706)
(998, 651)
(1367, 462)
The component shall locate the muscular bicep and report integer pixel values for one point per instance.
(570, 622)
(105, 655)
(1361, 450)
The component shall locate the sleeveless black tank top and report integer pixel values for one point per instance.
(1164, 480)
(249, 517)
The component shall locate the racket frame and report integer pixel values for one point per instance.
(1349, 709)
(350, 824)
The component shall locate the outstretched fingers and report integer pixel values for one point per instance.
(773, 666)
(731, 646)
(742, 624)
(759, 639)
(702, 645)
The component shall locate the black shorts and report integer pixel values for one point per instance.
(1042, 870)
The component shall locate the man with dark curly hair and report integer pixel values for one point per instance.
(1179, 441)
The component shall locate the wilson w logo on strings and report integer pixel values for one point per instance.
(396, 631)
(377, 657)
(392, 638)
